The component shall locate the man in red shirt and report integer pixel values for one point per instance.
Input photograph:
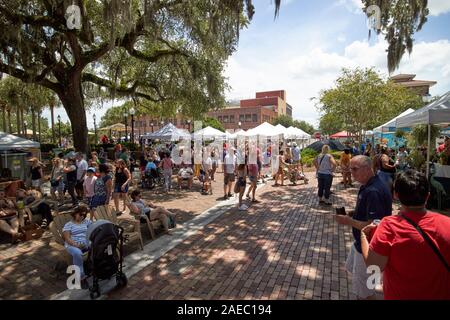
(416, 266)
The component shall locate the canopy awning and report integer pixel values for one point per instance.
(168, 132)
(296, 133)
(435, 112)
(390, 125)
(209, 133)
(9, 141)
(342, 134)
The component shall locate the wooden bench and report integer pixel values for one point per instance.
(132, 228)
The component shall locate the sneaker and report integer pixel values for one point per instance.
(243, 207)
(225, 197)
(229, 195)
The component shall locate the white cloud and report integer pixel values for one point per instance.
(304, 75)
(354, 6)
(438, 7)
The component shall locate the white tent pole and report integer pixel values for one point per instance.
(428, 150)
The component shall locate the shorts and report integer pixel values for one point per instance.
(118, 188)
(79, 185)
(253, 179)
(357, 267)
(241, 182)
(97, 201)
(228, 177)
(259, 165)
(59, 187)
(36, 183)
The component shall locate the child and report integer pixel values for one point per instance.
(88, 186)
(240, 185)
(345, 166)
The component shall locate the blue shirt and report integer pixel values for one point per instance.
(374, 202)
(296, 154)
(77, 231)
(150, 166)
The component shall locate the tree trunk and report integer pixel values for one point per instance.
(53, 121)
(9, 121)
(72, 99)
(19, 129)
(4, 119)
(33, 123)
(39, 126)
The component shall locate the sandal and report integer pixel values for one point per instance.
(255, 201)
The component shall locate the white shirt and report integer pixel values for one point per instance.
(207, 164)
(82, 167)
(230, 163)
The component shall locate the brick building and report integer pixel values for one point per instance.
(265, 107)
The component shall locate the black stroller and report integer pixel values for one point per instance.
(105, 256)
(150, 178)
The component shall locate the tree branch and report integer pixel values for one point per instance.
(22, 75)
(121, 90)
(40, 21)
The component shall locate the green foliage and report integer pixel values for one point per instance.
(420, 134)
(213, 122)
(47, 147)
(287, 122)
(308, 156)
(130, 146)
(362, 100)
(400, 19)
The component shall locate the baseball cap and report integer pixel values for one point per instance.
(92, 169)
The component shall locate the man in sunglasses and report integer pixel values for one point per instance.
(374, 202)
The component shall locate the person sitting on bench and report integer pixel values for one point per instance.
(139, 207)
(185, 174)
(9, 221)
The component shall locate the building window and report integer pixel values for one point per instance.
(232, 119)
(248, 118)
(220, 118)
(241, 118)
(254, 117)
(225, 119)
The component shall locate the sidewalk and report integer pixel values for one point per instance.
(286, 247)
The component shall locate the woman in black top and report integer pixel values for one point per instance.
(36, 173)
(122, 179)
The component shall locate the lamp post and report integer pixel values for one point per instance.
(189, 125)
(132, 112)
(151, 125)
(59, 130)
(126, 125)
(95, 129)
(25, 127)
(239, 124)
(162, 124)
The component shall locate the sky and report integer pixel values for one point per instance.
(305, 48)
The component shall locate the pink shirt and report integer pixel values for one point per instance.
(167, 163)
(88, 184)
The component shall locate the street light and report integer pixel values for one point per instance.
(162, 124)
(189, 125)
(59, 130)
(25, 126)
(151, 124)
(95, 129)
(126, 125)
(239, 124)
(132, 112)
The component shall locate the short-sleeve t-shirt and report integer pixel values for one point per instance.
(82, 166)
(413, 270)
(230, 163)
(374, 202)
(89, 183)
(296, 154)
(150, 166)
(77, 231)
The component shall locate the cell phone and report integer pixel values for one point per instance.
(341, 211)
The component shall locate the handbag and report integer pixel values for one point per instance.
(429, 241)
(317, 172)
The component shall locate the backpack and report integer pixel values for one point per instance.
(103, 257)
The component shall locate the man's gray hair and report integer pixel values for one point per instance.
(364, 161)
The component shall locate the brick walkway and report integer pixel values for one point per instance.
(33, 270)
(286, 247)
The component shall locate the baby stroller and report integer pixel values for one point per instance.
(150, 179)
(295, 175)
(105, 255)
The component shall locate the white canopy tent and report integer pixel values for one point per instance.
(281, 129)
(264, 129)
(387, 127)
(296, 133)
(209, 133)
(168, 132)
(436, 112)
(9, 141)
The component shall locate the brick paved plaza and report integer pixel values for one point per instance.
(286, 247)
